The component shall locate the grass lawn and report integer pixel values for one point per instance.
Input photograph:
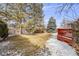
(29, 43)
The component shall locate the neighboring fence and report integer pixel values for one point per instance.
(65, 35)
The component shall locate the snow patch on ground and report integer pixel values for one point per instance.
(59, 48)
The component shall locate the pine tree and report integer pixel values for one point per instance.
(51, 27)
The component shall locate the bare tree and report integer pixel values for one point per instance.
(65, 8)
(14, 12)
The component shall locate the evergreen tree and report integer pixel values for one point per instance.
(51, 27)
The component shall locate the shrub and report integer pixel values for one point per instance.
(3, 30)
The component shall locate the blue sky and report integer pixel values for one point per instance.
(51, 8)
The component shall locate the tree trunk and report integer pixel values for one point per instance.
(20, 28)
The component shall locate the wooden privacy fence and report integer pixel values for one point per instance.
(65, 35)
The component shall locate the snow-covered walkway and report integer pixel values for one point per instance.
(58, 48)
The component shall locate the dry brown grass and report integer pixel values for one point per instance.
(29, 43)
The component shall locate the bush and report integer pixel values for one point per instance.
(3, 30)
(30, 26)
(33, 28)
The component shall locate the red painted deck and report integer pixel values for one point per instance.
(65, 35)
